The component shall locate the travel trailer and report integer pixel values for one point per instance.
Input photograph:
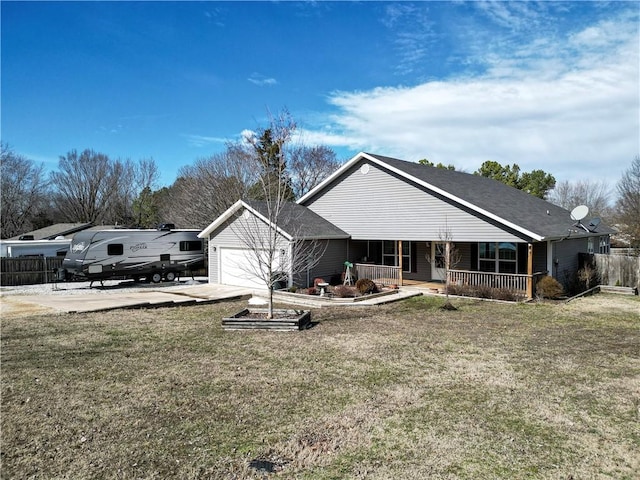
(154, 255)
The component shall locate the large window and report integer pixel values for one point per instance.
(501, 257)
(390, 254)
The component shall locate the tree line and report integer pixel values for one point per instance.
(91, 187)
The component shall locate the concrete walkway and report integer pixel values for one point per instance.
(98, 299)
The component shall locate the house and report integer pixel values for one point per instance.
(403, 218)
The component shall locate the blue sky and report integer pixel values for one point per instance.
(549, 85)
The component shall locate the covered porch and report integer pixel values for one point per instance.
(434, 265)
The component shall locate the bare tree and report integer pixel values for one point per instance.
(594, 194)
(84, 186)
(274, 237)
(628, 205)
(145, 206)
(210, 186)
(309, 166)
(448, 260)
(24, 191)
(122, 178)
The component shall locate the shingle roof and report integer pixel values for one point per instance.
(301, 222)
(508, 203)
(53, 231)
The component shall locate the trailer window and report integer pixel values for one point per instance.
(191, 245)
(115, 249)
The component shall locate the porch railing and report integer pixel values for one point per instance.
(383, 274)
(508, 281)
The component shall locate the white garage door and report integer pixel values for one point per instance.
(234, 269)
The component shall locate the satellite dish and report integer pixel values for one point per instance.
(579, 212)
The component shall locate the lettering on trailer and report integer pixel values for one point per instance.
(78, 247)
(138, 246)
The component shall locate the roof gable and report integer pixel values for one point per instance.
(531, 216)
(514, 209)
(296, 221)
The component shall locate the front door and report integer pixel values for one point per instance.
(438, 270)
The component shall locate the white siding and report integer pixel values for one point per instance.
(230, 235)
(378, 205)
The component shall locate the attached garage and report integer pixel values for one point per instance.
(231, 238)
(235, 268)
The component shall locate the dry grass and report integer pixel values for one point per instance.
(401, 391)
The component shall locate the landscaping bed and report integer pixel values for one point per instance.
(330, 297)
(258, 318)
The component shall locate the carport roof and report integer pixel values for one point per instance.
(56, 230)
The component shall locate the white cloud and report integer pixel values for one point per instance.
(261, 80)
(203, 141)
(570, 108)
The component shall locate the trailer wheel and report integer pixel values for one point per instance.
(170, 277)
(156, 278)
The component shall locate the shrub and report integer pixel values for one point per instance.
(507, 295)
(549, 287)
(344, 291)
(365, 285)
(312, 291)
(588, 276)
(483, 291)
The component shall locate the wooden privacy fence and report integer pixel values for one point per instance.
(383, 274)
(620, 270)
(28, 271)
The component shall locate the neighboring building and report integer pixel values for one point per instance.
(406, 216)
(51, 241)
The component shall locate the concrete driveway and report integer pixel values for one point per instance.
(68, 298)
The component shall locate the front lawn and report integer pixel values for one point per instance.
(399, 391)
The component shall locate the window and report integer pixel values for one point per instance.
(590, 245)
(604, 244)
(498, 257)
(115, 249)
(439, 256)
(390, 254)
(191, 245)
(487, 257)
